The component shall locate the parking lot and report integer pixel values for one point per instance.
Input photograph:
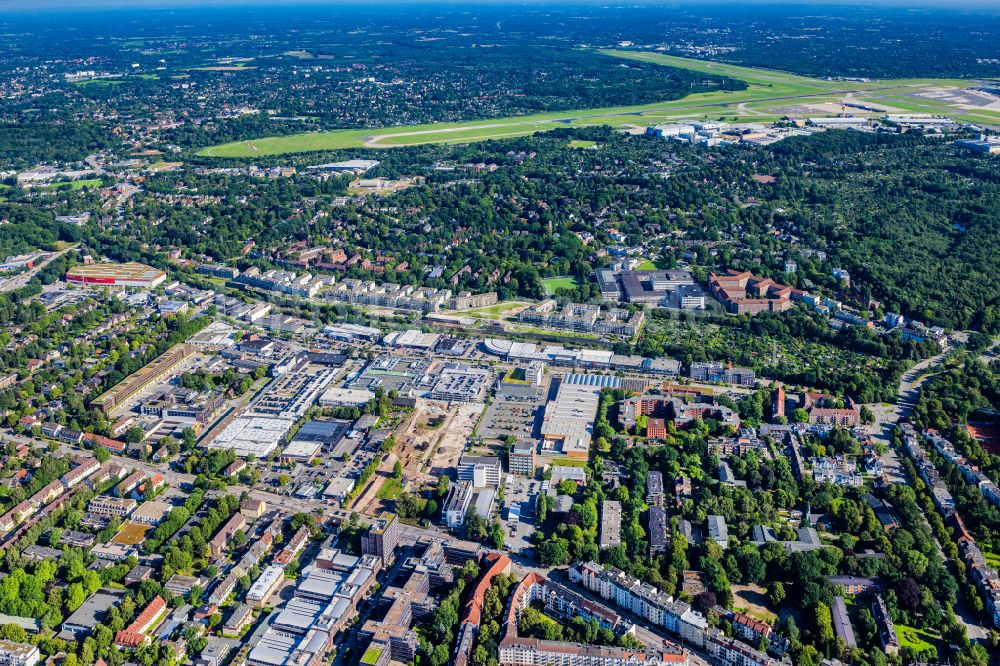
(523, 493)
(512, 416)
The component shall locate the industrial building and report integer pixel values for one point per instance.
(128, 388)
(569, 419)
(116, 275)
(345, 397)
(460, 382)
(256, 435)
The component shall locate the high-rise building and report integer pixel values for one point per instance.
(382, 538)
(521, 459)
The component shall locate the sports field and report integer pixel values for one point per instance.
(769, 96)
(552, 285)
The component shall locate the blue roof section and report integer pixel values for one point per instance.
(604, 381)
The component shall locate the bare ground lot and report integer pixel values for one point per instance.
(753, 600)
(432, 440)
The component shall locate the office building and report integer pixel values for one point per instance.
(382, 538)
(521, 459)
(480, 471)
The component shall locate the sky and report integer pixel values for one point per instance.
(137, 4)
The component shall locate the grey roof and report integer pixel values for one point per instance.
(562, 504)
(323, 431)
(92, 612)
(611, 523)
(657, 527)
(654, 483)
(842, 622)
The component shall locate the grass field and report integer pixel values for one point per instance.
(580, 143)
(916, 639)
(131, 533)
(568, 462)
(552, 285)
(497, 311)
(73, 184)
(767, 94)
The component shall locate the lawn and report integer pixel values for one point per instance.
(916, 639)
(371, 656)
(74, 184)
(164, 166)
(646, 265)
(497, 311)
(579, 143)
(568, 462)
(552, 285)
(391, 489)
(98, 82)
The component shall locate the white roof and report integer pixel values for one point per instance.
(302, 449)
(258, 435)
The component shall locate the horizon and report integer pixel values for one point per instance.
(104, 5)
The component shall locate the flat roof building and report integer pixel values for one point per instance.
(90, 614)
(521, 459)
(568, 423)
(382, 538)
(257, 435)
(654, 488)
(116, 275)
(611, 524)
(657, 530)
(480, 471)
(151, 512)
(18, 654)
(457, 504)
(265, 585)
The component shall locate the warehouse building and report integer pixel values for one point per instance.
(116, 275)
(568, 423)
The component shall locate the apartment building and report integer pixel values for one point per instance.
(112, 507)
